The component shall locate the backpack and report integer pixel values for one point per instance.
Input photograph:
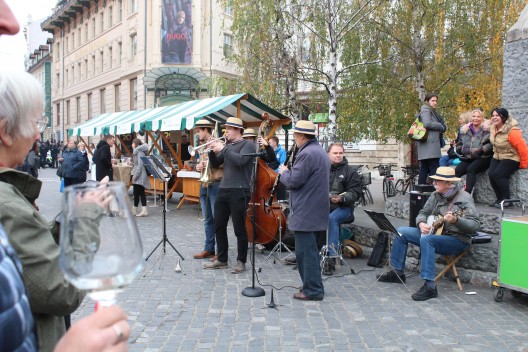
(378, 252)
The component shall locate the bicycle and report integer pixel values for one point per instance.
(409, 181)
(366, 180)
(388, 180)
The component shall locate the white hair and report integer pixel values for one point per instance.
(21, 99)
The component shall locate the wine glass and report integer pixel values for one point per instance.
(101, 250)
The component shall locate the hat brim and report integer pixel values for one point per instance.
(444, 178)
(303, 131)
(234, 125)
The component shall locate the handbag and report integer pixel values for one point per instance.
(59, 171)
(418, 132)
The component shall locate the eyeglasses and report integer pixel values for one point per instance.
(42, 123)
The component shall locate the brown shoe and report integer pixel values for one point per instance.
(203, 255)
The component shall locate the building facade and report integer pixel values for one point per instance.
(120, 55)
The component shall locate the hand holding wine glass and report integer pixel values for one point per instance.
(101, 250)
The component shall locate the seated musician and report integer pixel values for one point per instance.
(345, 189)
(457, 224)
(268, 154)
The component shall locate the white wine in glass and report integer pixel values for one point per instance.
(101, 250)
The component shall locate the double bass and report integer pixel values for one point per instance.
(263, 221)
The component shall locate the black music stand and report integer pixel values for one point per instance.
(385, 225)
(163, 176)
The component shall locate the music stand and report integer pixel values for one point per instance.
(385, 225)
(164, 176)
(163, 172)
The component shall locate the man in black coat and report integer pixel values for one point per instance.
(103, 158)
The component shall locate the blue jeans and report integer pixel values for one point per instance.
(207, 200)
(337, 216)
(446, 160)
(308, 263)
(429, 246)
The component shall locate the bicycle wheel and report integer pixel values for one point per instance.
(391, 189)
(367, 196)
(400, 187)
(385, 189)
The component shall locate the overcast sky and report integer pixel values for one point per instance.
(13, 48)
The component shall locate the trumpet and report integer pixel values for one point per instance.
(193, 150)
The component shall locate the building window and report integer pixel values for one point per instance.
(73, 75)
(101, 24)
(78, 109)
(66, 45)
(102, 101)
(120, 53)
(79, 37)
(133, 94)
(73, 42)
(133, 45)
(228, 9)
(67, 83)
(79, 77)
(86, 69)
(86, 32)
(228, 45)
(57, 50)
(57, 121)
(110, 57)
(89, 105)
(67, 112)
(93, 27)
(110, 19)
(120, 11)
(93, 65)
(117, 105)
(133, 6)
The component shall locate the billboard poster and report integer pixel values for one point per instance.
(176, 32)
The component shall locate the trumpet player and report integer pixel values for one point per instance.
(208, 188)
(233, 193)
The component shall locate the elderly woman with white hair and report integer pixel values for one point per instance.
(51, 297)
(449, 211)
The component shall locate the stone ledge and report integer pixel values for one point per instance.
(519, 30)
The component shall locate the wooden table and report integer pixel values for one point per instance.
(122, 173)
(191, 187)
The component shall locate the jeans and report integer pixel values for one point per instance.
(499, 173)
(427, 168)
(338, 216)
(429, 246)
(231, 202)
(308, 263)
(207, 201)
(446, 160)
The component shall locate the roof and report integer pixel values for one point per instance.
(180, 116)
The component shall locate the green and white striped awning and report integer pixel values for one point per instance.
(177, 117)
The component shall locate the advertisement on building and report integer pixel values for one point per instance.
(176, 32)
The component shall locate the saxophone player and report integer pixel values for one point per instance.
(208, 189)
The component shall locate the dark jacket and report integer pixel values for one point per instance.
(18, 328)
(237, 168)
(344, 178)
(434, 123)
(309, 191)
(474, 144)
(467, 224)
(103, 161)
(74, 164)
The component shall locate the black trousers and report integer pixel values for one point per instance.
(471, 168)
(427, 168)
(499, 173)
(234, 203)
(139, 193)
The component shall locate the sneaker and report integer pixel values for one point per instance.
(290, 260)
(391, 276)
(425, 293)
(239, 268)
(215, 265)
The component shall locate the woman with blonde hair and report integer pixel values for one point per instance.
(451, 158)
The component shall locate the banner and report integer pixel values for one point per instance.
(176, 32)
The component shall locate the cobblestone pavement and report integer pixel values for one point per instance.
(203, 310)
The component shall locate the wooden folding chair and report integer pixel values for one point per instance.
(451, 261)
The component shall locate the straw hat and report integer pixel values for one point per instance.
(249, 132)
(304, 127)
(203, 124)
(445, 173)
(234, 122)
(351, 249)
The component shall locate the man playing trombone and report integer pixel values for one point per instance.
(234, 193)
(210, 180)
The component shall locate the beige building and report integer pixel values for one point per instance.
(120, 55)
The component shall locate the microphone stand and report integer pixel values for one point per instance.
(253, 291)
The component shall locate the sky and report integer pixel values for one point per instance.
(13, 48)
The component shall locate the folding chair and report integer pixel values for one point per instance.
(451, 262)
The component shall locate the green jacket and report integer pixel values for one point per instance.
(51, 297)
(467, 224)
